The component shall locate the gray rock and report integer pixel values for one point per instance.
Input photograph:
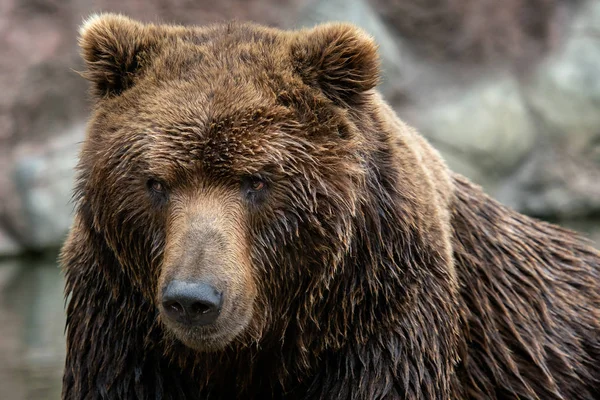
(487, 126)
(555, 182)
(565, 90)
(8, 245)
(561, 179)
(43, 178)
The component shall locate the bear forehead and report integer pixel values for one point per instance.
(244, 141)
(237, 96)
(225, 130)
(222, 54)
(209, 115)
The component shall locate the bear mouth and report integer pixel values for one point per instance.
(203, 342)
(212, 337)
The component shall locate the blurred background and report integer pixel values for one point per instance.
(508, 91)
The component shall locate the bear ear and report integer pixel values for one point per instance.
(113, 48)
(340, 59)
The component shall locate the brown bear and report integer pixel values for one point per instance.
(254, 222)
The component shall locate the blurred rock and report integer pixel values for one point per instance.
(560, 180)
(51, 98)
(8, 246)
(483, 132)
(36, 45)
(481, 31)
(555, 183)
(43, 177)
(565, 89)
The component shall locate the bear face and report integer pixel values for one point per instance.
(228, 160)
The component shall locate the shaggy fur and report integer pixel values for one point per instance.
(363, 269)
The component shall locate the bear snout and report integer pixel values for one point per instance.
(192, 303)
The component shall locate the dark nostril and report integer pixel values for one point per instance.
(200, 308)
(174, 307)
(192, 303)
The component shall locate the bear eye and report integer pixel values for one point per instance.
(257, 185)
(254, 188)
(157, 186)
(157, 189)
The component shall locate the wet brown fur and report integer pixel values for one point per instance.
(369, 271)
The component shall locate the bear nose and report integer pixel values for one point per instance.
(192, 303)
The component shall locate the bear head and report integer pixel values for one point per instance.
(240, 175)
